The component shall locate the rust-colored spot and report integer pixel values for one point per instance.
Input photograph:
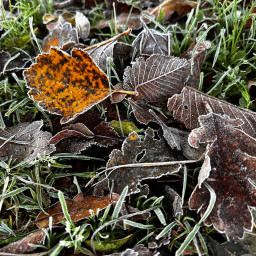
(66, 85)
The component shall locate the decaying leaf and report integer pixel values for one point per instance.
(66, 85)
(89, 129)
(14, 63)
(230, 169)
(126, 126)
(62, 36)
(178, 139)
(138, 250)
(111, 50)
(135, 150)
(157, 78)
(196, 58)
(150, 41)
(78, 209)
(23, 246)
(125, 15)
(168, 7)
(190, 104)
(24, 141)
(82, 25)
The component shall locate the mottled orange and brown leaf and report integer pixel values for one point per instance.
(66, 85)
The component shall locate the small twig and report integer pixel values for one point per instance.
(125, 33)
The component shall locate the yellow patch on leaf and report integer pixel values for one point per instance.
(66, 85)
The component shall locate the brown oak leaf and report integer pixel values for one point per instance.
(190, 104)
(230, 169)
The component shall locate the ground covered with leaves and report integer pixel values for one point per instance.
(127, 127)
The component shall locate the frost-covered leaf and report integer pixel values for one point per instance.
(23, 246)
(62, 36)
(112, 50)
(190, 104)
(230, 169)
(157, 78)
(87, 130)
(82, 25)
(24, 141)
(13, 63)
(135, 150)
(178, 139)
(138, 250)
(150, 41)
(196, 58)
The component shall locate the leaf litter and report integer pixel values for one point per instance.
(203, 131)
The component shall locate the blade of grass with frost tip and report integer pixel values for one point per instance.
(105, 214)
(137, 225)
(7, 62)
(160, 216)
(166, 229)
(64, 208)
(16, 106)
(79, 157)
(203, 243)
(111, 222)
(4, 165)
(145, 238)
(33, 34)
(216, 55)
(120, 203)
(158, 200)
(196, 228)
(12, 193)
(79, 191)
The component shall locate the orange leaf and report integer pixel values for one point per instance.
(78, 209)
(66, 85)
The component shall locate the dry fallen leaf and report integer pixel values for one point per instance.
(135, 150)
(78, 209)
(150, 41)
(24, 141)
(66, 85)
(190, 104)
(168, 7)
(89, 129)
(16, 64)
(230, 169)
(23, 246)
(157, 78)
(62, 36)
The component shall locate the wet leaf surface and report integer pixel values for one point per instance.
(230, 169)
(66, 85)
(25, 141)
